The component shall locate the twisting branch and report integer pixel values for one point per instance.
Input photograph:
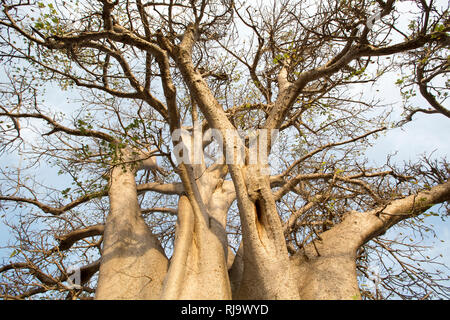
(426, 94)
(60, 128)
(67, 240)
(53, 210)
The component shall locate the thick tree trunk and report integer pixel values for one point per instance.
(266, 264)
(325, 273)
(198, 269)
(267, 271)
(133, 264)
(326, 267)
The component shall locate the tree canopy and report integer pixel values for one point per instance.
(214, 149)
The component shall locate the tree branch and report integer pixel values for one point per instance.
(66, 241)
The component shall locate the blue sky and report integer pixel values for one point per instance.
(426, 134)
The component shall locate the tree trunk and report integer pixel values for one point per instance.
(266, 264)
(267, 271)
(198, 268)
(133, 264)
(325, 273)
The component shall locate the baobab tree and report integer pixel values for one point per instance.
(214, 147)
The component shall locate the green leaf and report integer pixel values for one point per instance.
(39, 25)
(439, 28)
(15, 252)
